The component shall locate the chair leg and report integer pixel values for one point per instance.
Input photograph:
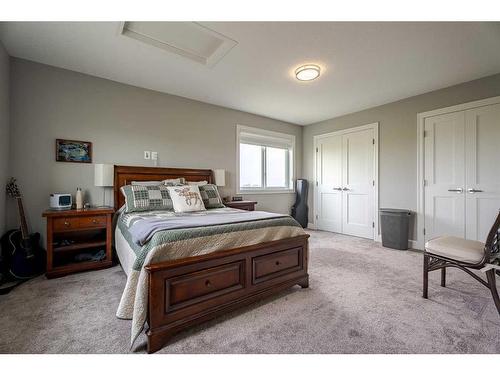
(490, 275)
(426, 276)
(443, 277)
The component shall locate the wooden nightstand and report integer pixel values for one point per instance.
(73, 234)
(242, 205)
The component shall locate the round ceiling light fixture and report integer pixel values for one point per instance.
(307, 72)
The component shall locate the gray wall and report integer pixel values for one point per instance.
(4, 130)
(397, 138)
(122, 121)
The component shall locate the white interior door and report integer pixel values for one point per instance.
(358, 183)
(482, 155)
(329, 189)
(444, 175)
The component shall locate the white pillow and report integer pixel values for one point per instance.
(197, 183)
(174, 181)
(186, 198)
(146, 183)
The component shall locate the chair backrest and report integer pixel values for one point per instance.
(492, 245)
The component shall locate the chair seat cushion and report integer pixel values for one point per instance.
(456, 248)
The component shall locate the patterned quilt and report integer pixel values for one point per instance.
(186, 242)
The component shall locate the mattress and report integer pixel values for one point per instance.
(125, 254)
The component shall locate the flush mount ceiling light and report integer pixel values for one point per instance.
(307, 72)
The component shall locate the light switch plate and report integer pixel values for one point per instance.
(147, 155)
(154, 155)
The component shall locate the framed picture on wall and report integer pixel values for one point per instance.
(73, 151)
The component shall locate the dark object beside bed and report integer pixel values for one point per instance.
(188, 291)
(300, 209)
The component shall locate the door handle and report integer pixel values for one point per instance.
(337, 188)
(472, 191)
(345, 189)
(457, 190)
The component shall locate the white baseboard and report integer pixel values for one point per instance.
(311, 226)
(412, 244)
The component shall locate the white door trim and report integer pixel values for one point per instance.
(373, 126)
(419, 243)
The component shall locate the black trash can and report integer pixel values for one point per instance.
(395, 227)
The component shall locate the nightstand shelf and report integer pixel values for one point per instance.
(74, 237)
(79, 246)
(68, 269)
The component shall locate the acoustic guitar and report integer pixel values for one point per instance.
(22, 256)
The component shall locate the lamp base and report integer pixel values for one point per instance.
(104, 199)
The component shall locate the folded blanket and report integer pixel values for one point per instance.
(143, 229)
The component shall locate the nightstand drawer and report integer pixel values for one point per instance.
(93, 221)
(62, 224)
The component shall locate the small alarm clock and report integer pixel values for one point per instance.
(60, 201)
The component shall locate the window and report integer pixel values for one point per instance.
(266, 161)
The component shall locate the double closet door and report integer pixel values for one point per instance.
(462, 173)
(345, 175)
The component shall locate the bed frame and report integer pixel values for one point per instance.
(188, 291)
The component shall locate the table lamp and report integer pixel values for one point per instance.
(220, 177)
(103, 177)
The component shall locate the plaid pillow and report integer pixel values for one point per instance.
(210, 196)
(146, 198)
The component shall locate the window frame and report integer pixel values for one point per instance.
(280, 139)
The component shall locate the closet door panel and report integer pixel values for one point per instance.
(482, 155)
(329, 196)
(357, 173)
(444, 175)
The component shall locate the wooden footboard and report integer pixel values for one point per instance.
(189, 291)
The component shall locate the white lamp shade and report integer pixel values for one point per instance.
(220, 177)
(103, 174)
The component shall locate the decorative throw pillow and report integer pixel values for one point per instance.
(174, 181)
(146, 198)
(186, 198)
(210, 195)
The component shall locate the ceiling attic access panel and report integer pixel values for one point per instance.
(187, 39)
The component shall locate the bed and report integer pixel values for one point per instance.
(181, 277)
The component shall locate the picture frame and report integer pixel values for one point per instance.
(72, 151)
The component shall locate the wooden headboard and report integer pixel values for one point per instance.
(125, 175)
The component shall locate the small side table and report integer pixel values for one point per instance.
(242, 205)
(78, 233)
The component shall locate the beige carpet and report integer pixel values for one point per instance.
(362, 298)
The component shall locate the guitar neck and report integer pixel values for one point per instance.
(24, 224)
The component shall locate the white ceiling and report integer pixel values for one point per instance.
(364, 64)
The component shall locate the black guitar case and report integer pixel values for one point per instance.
(300, 211)
(16, 266)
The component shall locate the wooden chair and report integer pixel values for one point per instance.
(447, 251)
